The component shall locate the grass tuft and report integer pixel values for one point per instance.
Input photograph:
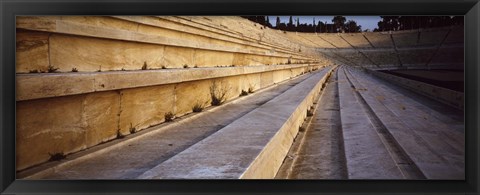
(57, 156)
(169, 117)
(243, 93)
(218, 93)
(52, 69)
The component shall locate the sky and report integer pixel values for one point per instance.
(367, 22)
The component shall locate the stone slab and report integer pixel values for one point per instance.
(144, 107)
(366, 155)
(32, 51)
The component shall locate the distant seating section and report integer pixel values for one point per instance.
(358, 40)
(433, 48)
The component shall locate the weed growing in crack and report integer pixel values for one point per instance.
(120, 135)
(169, 117)
(52, 69)
(197, 108)
(218, 93)
(250, 88)
(57, 156)
(310, 111)
(132, 129)
(301, 129)
(243, 93)
(144, 67)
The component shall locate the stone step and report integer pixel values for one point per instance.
(253, 146)
(129, 157)
(366, 154)
(433, 140)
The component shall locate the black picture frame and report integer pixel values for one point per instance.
(9, 9)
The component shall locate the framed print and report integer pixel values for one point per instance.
(239, 97)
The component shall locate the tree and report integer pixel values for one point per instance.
(290, 26)
(351, 26)
(339, 23)
(389, 23)
(416, 22)
(321, 27)
(268, 22)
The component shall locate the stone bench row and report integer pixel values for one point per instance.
(433, 140)
(444, 95)
(33, 86)
(253, 146)
(146, 34)
(52, 52)
(134, 100)
(232, 32)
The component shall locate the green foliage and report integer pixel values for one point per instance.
(132, 129)
(301, 129)
(169, 117)
(51, 69)
(218, 93)
(310, 111)
(243, 93)
(57, 156)
(120, 135)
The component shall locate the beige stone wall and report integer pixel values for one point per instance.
(74, 122)
(92, 43)
(111, 96)
(64, 125)
(36, 51)
(32, 50)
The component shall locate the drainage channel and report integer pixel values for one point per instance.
(317, 152)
